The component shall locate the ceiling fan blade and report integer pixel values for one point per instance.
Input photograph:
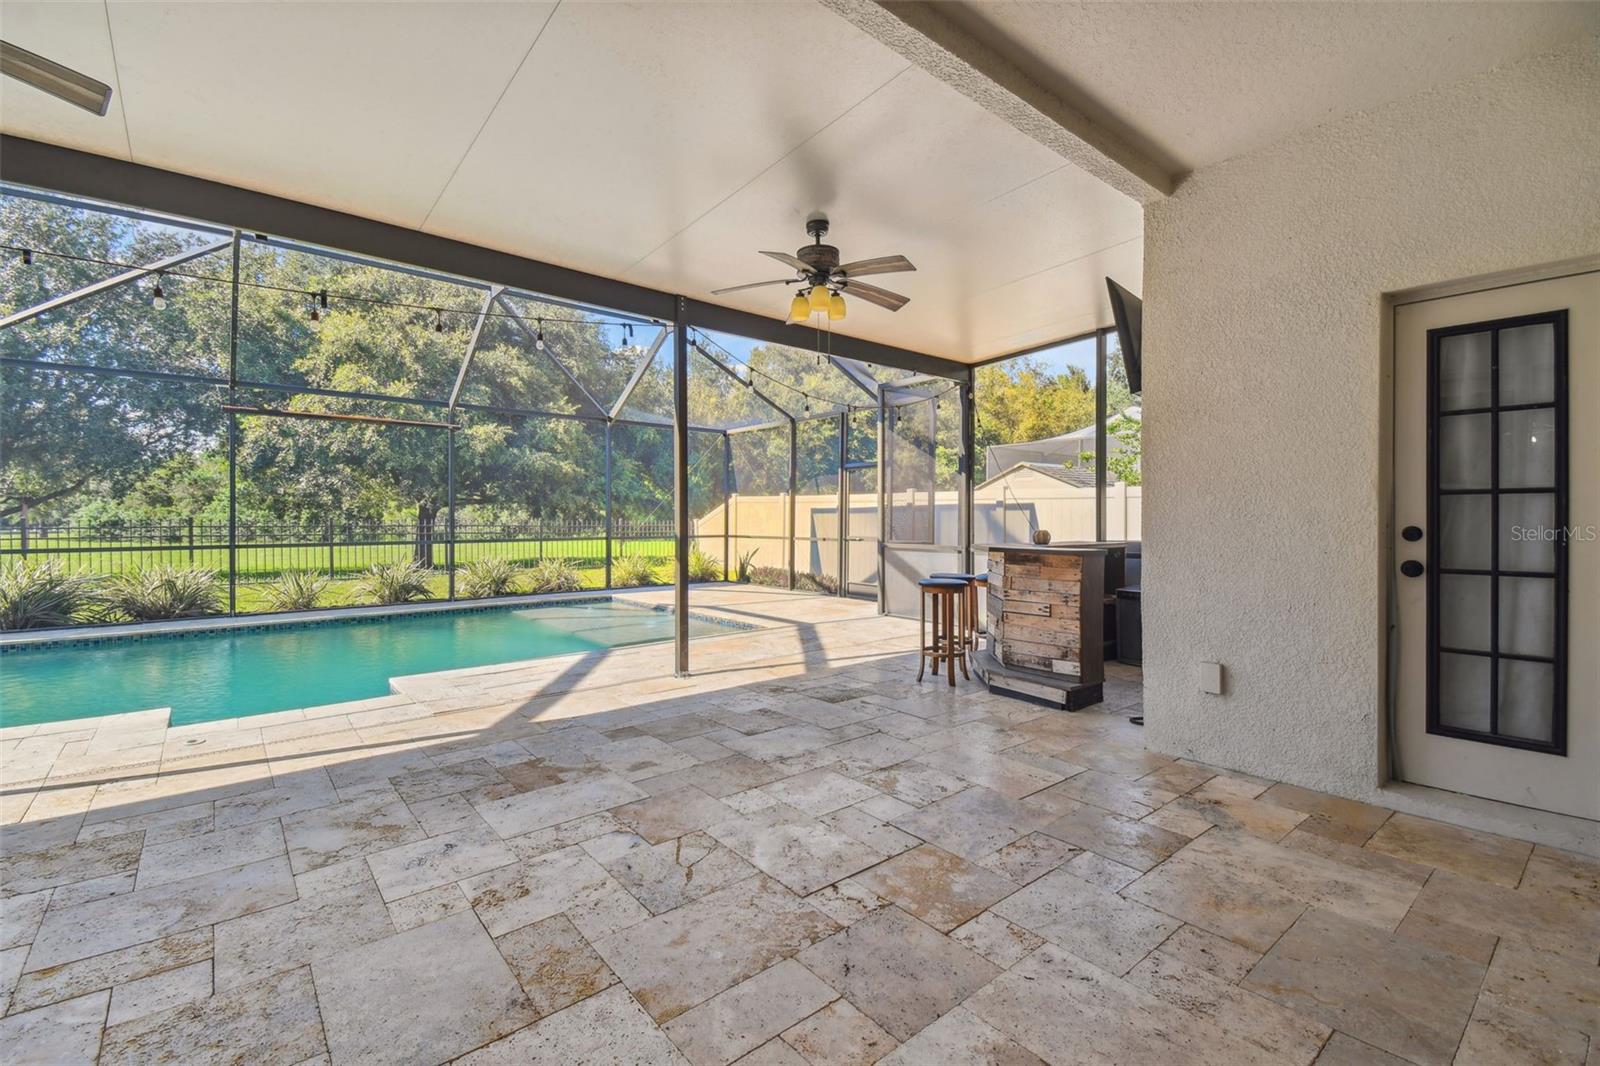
(884, 264)
(891, 301)
(51, 77)
(788, 260)
(752, 285)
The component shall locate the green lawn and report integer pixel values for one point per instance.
(258, 563)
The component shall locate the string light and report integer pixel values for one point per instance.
(438, 320)
(316, 315)
(27, 257)
(538, 339)
(158, 299)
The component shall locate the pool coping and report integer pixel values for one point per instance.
(122, 631)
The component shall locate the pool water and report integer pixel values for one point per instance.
(204, 677)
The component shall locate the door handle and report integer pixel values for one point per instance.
(1412, 568)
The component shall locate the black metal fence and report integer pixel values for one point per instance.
(263, 551)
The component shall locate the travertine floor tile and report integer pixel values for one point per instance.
(996, 939)
(670, 874)
(1343, 820)
(1283, 1034)
(160, 991)
(997, 773)
(1396, 994)
(1497, 1034)
(1089, 921)
(1481, 855)
(1067, 1010)
(1030, 858)
(544, 807)
(686, 956)
(1563, 991)
(566, 880)
(315, 926)
(348, 829)
(555, 965)
(915, 783)
(64, 863)
(1550, 921)
(207, 852)
(797, 850)
(1135, 844)
(122, 921)
(960, 1036)
(376, 1000)
(441, 860)
(1563, 871)
(1342, 1050)
(608, 1027)
(930, 883)
(744, 1017)
(898, 971)
(840, 1034)
(1195, 947)
(669, 815)
(818, 792)
(1220, 900)
(62, 1034)
(275, 1020)
(973, 822)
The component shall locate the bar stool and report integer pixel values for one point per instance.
(948, 642)
(975, 583)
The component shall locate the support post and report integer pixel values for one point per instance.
(969, 462)
(608, 504)
(885, 470)
(727, 503)
(680, 489)
(233, 432)
(794, 484)
(1100, 435)
(450, 505)
(844, 504)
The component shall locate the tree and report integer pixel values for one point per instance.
(1022, 400)
(63, 434)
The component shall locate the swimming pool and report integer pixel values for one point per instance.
(208, 675)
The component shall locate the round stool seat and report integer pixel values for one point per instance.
(957, 577)
(941, 583)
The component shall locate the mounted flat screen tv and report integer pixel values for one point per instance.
(1128, 310)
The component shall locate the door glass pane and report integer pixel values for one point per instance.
(1527, 699)
(1527, 531)
(1464, 457)
(1528, 364)
(1464, 372)
(1528, 615)
(1464, 692)
(1464, 523)
(912, 438)
(1464, 612)
(1528, 448)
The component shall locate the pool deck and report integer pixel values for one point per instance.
(796, 855)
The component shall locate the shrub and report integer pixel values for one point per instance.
(46, 594)
(555, 575)
(744, 567)
(296, 590)
(633, 571)
(703, 567)
(395, 582)
(488, 577)
(163, 592)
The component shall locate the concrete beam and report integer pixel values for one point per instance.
(920, 32)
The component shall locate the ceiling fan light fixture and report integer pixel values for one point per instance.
(47, 76)
(799, 308)
(819, 297)
(835, 307)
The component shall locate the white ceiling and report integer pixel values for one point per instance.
(1196, 83)
(664, 143)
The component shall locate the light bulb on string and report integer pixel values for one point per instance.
(316, 315)
(27, 257)
(158, 298)
(538, 338)
(438, 320)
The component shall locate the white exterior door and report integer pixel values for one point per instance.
(1497, 509)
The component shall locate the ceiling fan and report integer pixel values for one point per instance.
(46, 75)
(825, 281)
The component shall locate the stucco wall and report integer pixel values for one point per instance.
(1264, 326)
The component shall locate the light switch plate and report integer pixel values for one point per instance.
(1211, 678)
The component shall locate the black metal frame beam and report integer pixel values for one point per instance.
(69, 171)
